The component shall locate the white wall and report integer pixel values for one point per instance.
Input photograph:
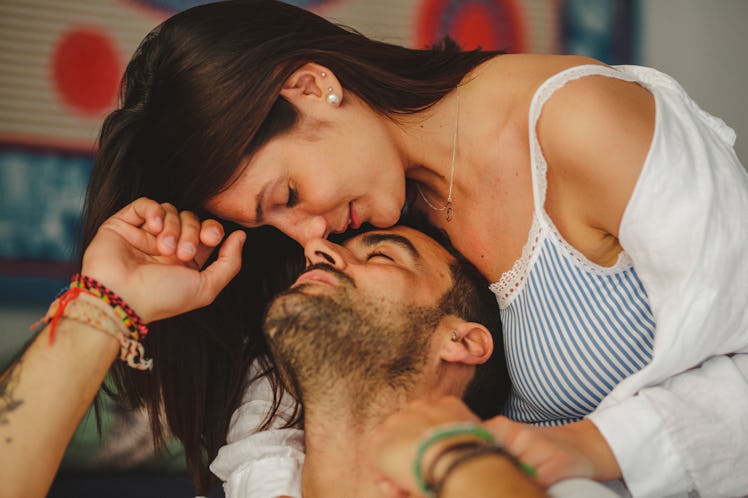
(704, 45)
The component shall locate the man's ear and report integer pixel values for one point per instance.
(312, 82)
(468, 342)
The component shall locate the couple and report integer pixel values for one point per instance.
(604, 206)
(387, 317)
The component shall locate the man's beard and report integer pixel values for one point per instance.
(336, 341)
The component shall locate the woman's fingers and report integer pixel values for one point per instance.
(211, 234)
(219, 273)
(189, 236)
(169, 236)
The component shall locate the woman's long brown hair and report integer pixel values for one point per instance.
(200, 94)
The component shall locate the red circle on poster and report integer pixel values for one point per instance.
(490, 24)
(86, 70)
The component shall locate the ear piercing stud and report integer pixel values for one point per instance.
(332, 98)
(454, 336)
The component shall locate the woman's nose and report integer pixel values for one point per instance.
(323, 251)
(302, 231)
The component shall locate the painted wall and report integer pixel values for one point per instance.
(60, 63)
(704, 45)
(49, 117)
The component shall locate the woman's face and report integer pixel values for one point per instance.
(332, 172)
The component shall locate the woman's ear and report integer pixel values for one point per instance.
(468, 342)
(312, 83)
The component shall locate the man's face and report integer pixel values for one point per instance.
(364, 311)
(399, 264)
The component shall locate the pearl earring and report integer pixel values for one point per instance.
(323, 74)
(332, 98)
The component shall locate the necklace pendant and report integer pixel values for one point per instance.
(449, 211)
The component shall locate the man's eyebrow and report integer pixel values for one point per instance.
(372, 239)
(258, 205)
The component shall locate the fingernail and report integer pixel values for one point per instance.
(215, 233)
(187, 248)
(170, 242)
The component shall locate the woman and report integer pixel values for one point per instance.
(601, 201)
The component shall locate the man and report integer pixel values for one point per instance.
(386, 318)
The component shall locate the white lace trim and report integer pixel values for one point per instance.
(512, 281)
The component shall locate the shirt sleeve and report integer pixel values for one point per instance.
(261, 464)
(685, 415)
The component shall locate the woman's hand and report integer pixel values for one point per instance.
(394, 443)
(152, 256)
(572, 450)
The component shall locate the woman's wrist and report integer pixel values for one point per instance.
(91, 304)
(445, 448)
(488, 474)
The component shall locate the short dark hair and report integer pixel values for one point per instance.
(471, 299)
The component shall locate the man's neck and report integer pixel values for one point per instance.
(335, 464)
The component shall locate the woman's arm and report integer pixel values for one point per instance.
(394, 451)
(679, 218)
(46, 392)
(489, 476)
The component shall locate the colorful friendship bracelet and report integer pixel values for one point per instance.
(128, 316)
(88, 301)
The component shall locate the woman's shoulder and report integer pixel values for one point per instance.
(508, 83)
(526, 70)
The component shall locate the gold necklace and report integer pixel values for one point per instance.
(448, 206)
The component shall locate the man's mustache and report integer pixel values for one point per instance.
(329, 268)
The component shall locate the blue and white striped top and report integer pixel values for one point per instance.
(572, 329)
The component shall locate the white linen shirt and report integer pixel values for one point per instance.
(681, 422)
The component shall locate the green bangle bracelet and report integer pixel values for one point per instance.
(439, 434)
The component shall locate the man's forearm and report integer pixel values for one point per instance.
(43, 397)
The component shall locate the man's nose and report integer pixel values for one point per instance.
(323, 251)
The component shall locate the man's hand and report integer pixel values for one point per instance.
(152, 256)
(573, 450)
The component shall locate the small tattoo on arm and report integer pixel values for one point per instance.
(8, 401)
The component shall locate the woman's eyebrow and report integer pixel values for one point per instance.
(372, 239)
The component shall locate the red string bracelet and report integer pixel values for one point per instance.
(127, 327)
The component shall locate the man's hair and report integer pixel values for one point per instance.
(470, 299)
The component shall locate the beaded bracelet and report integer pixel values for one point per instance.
(478, 450)
(428, 475)
(88, 301)
(439, 434)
